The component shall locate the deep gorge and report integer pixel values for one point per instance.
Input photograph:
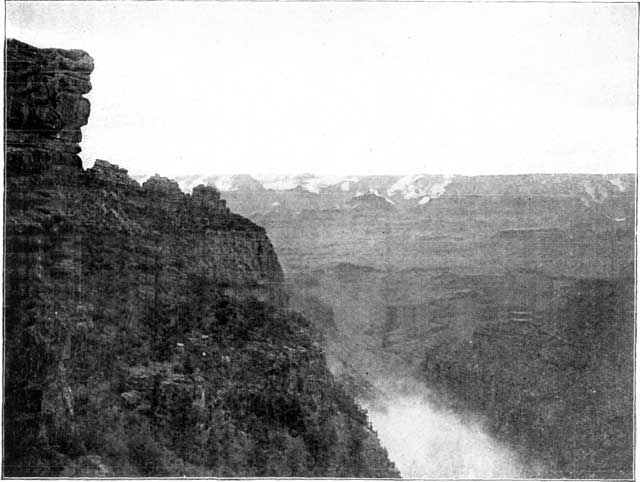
(159, 327)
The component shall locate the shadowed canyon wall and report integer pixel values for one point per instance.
(147, 331)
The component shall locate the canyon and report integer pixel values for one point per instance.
(494, 311)
(348, 326)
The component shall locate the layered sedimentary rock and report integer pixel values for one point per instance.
(45, 106)
(147, 330)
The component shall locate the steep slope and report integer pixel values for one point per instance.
(556, 382)
(147, 331)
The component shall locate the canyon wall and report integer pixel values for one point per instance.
(147, 331)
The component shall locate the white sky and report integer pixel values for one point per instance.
(351, 88)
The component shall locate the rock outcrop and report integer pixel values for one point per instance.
(147, 330)
(45, 106)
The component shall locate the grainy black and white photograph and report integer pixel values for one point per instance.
(319, 239)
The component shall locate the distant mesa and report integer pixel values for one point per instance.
(420, 186)
(236, 183)
(371, 201)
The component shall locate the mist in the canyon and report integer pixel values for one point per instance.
(427, 440)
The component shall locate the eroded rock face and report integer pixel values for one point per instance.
(45, 106)
(147, 330)
(104, 171)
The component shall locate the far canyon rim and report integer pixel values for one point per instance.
(365, 326)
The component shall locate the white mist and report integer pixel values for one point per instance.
(428, 443)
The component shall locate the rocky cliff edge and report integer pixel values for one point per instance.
(146, 330)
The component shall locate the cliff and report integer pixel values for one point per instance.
(45, 108)
(147, 331)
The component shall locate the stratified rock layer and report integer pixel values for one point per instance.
(147, 331)
(45, 106)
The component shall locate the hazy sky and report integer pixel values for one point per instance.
(344, 88)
